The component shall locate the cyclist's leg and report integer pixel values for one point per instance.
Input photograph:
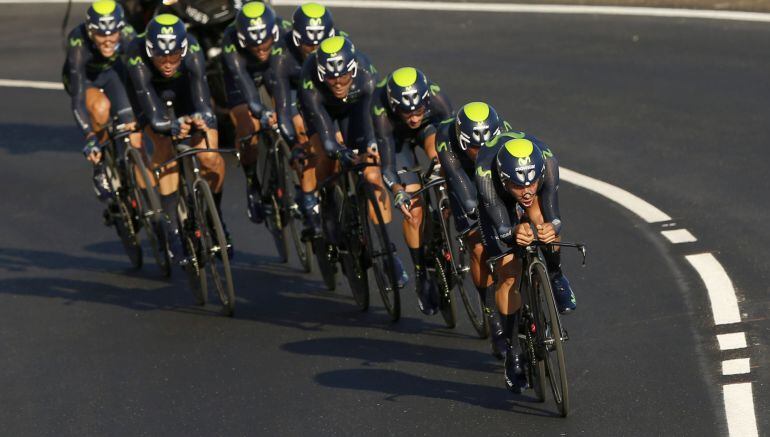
(168, 184)
(245, 124)
(320, 166)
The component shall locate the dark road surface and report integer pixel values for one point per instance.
(672, 110)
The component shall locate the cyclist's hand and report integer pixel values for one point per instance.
(199, 123)
(346, 157)
(298, 157)
(91, 150)
(403, 201)
(180, 127)
(546, 233)
(524, 235)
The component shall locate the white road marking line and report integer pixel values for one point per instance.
(679, 236)
(31, 84)
(509, 8)
(637, 205)
(734, 340)
(738, 366)
(739, 406)
(724, 303)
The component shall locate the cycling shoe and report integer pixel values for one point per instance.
(562, 292)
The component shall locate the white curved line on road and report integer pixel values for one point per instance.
(31, 84)
(631, 202)
(724, 303)
(637, 11)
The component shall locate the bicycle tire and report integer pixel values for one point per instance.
(380, 253)
(322, 250)
(553, 332)
(472, 302)
(124, 225)
(446, 305)
(290, 211)
(535, 361)
(214, 247)
(351, 251)
(149, 209)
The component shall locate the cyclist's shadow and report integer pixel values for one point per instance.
(396, 384)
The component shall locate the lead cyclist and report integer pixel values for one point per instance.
(518, 178)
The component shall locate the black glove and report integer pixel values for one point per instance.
(91, 146)
(345, 157)
(401, 199)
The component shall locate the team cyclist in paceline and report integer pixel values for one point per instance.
(165, 59)
(338, 84)
(518, 179)
(247, 46)
(311, 24)
(406, 110)
(458, 142)
(94, 76)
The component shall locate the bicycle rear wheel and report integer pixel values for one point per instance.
(215, 260)
(123, 217)
(292, 216)
(352, 249)
(380, 253)
(551, 336)
(323, 253)
(446, 304)
(148, 208)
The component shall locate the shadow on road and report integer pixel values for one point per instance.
(396, 384)
(21, 138)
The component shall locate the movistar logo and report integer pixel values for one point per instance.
(506, 126)
(195, 48)
(434, 89)
(442, 146)
(382, 83)
(135, 61)
(547, 153)
(378, 110)
(76, 42)
(372, 69)
(167, 30)
(230, 48)
(483, 173)
(308, 85)
(277, 51)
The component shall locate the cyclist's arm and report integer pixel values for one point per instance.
(368, 74)
(280, 88)
(199, 88)
(383, 129)
(150, 104)
(236, 68)
(314, 112)
(77, 57)
(494, 206)
(549, 194)
(458, 181)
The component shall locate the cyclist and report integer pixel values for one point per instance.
(338, 84)
(94, 74)
(458, 142)
(311, 24)
(167, 59)
(518, 178)
(247, 46)
(407, 108)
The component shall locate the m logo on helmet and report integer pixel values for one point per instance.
(258, 29)
(107, 24)
(167, 30)
(315, 30)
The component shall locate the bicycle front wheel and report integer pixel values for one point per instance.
(292, 216)
(550, 336)
(460, 272)
(215, 260)
(123, 216)
(380, 253)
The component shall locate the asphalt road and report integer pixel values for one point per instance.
(671, 110)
